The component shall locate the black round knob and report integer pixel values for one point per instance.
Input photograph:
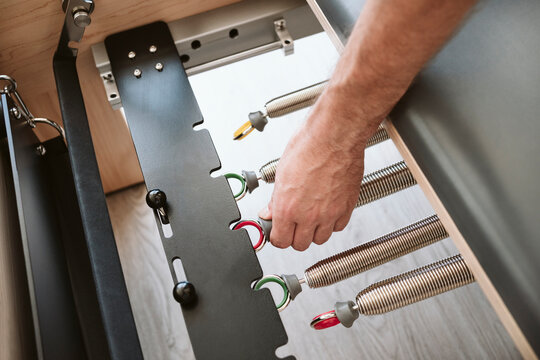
(156, 199)
(184, 292)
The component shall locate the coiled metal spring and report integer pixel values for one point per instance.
(295, 100)
(384, 182)
(379, 136)
(374, 253)
(376, 185)
(414, 286)
(268, 171)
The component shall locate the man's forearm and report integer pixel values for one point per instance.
(391, 42)
(320, 173)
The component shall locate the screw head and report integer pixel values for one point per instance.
(152, 48)
(137, 73)
(131, 54)
(40, 150)
(159, 66)
(280, 24)
(15, 112)
(184, 292)
(81, 18)
(156, 199)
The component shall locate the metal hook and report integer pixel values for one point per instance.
(243, 131)
(278, 280)
(13, 83)
(21, 109)
(50, 123)
(238, 196)
(263, 239)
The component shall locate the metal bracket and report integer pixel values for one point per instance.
(104, 67)
(77, 18)
(226, 35)
(177, 161)
(287, 42)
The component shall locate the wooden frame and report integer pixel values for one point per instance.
(30, 32)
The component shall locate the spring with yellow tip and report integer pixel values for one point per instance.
(280, 106)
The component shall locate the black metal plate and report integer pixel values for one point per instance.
(58, 335)
(230, 320)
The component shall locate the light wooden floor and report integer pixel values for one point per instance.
(456, 325)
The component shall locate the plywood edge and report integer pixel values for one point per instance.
(327, 27)
(480, 275)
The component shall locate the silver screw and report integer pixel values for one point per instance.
(15, 112)
(131, 54)
(137, 73)
(40, 150)
(152, 48)
(81, 18)
(159, 66)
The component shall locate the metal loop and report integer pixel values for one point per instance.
(243, 131)
(238, 196)
(262, 236)
(22, 106)
(5, 89)
(21, 109)
(278, 280)
(325, 320)
(51, 123)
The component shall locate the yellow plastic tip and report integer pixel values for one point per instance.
(243, 131)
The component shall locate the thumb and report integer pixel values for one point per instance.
(266, 213)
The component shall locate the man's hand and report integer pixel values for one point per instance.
(319, 175)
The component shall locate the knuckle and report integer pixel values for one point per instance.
(285, 212)
(310, 217)
(335, 213)
(340, 226)
(321, 237)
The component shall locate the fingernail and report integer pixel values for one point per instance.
(265, 213)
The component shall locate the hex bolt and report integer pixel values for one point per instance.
(159, 66)
(81, 18)
(131, 54)
(152, 48)
(137, 73)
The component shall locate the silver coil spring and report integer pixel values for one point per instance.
(374, 253)
(268, 170)
(384, 182)
(294, 101)
(414, 286)
(379, 136)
